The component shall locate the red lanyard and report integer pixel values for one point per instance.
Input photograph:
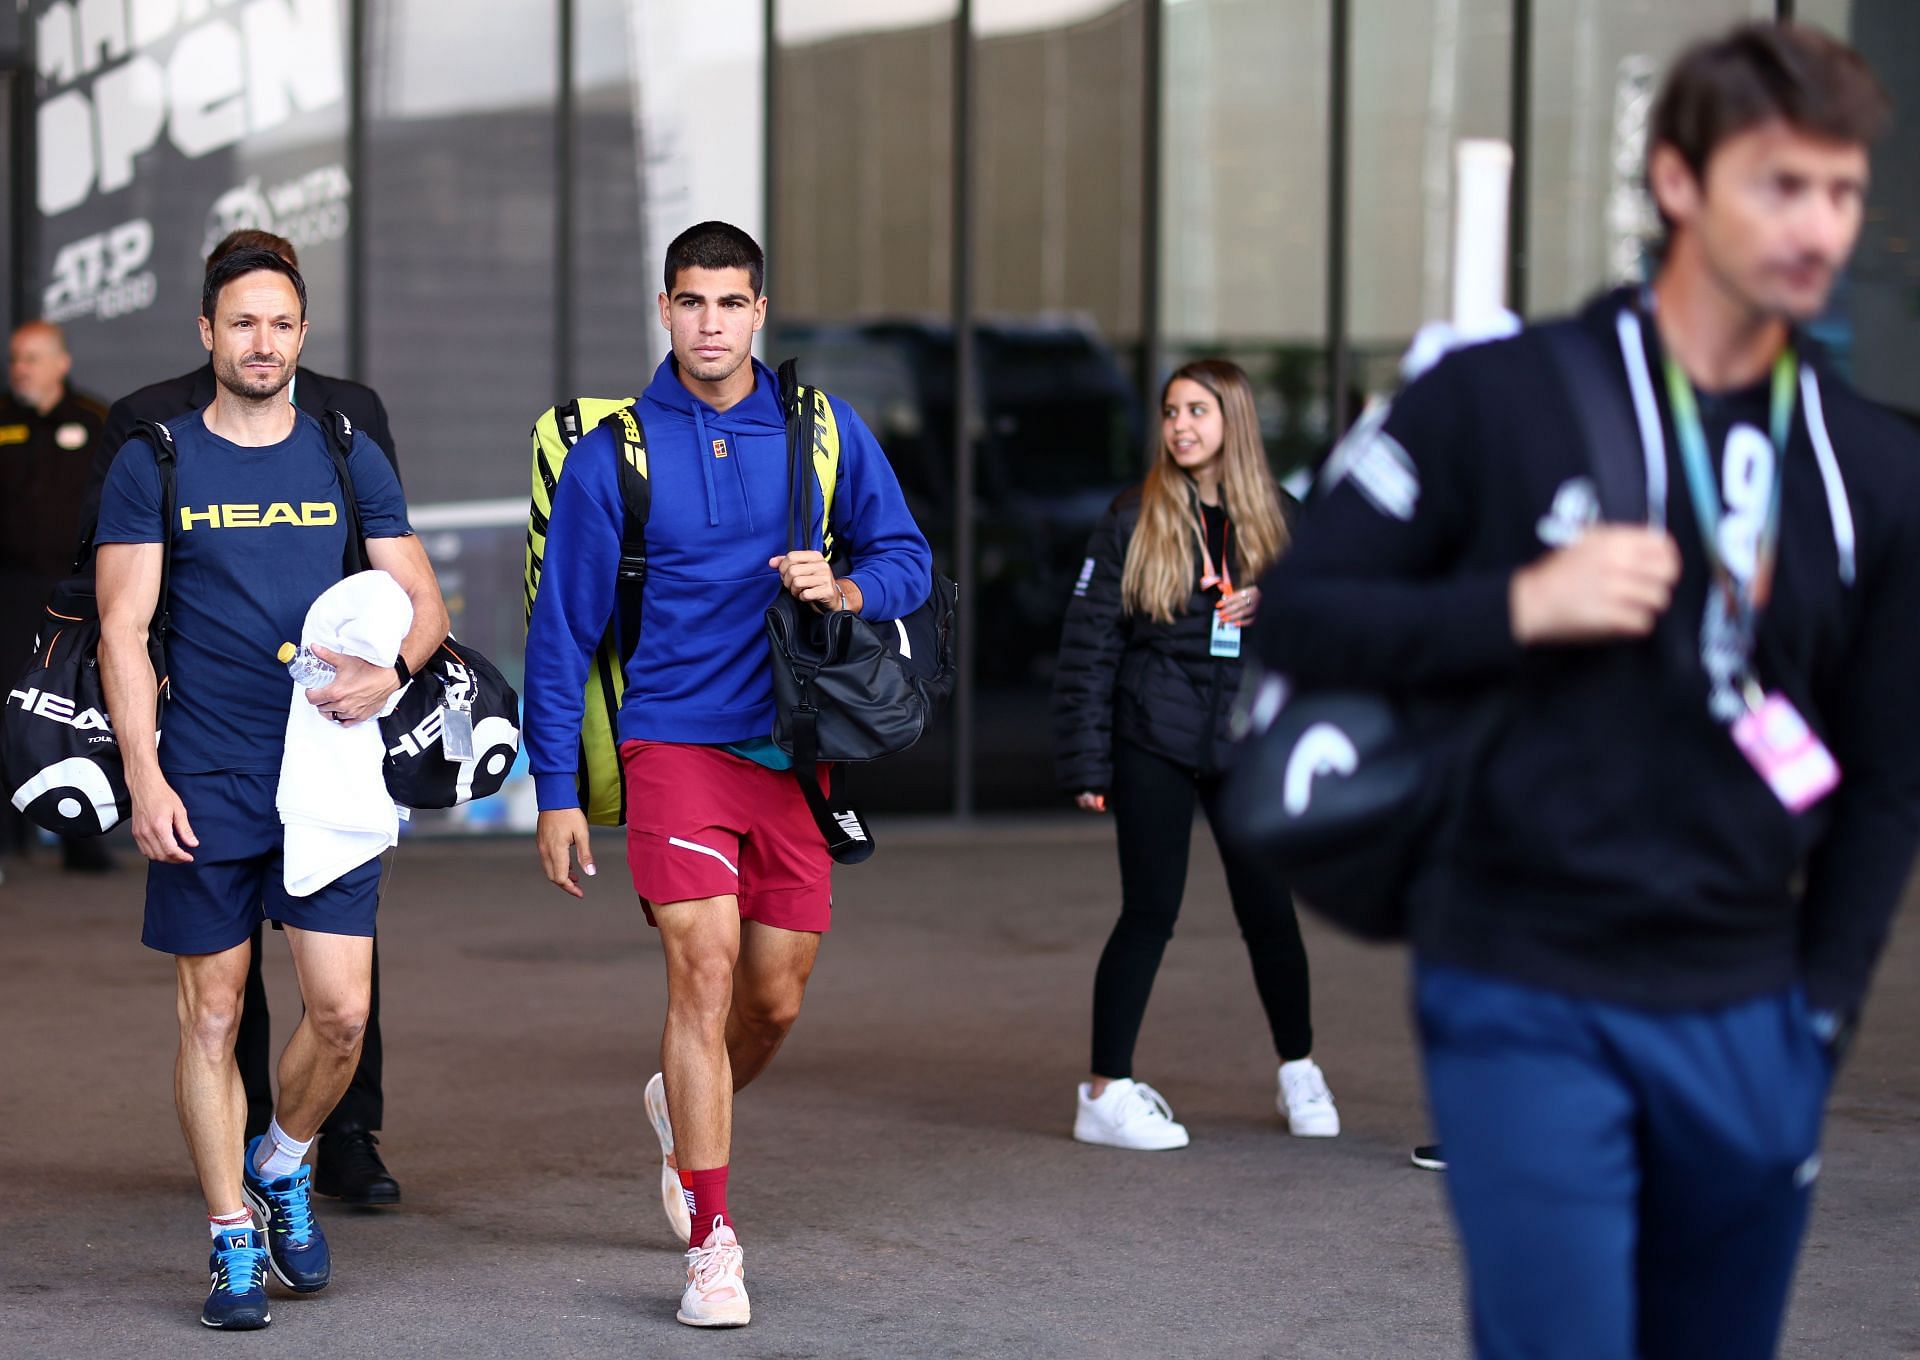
(1209, 578)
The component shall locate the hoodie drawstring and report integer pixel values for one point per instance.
(704, 444)
(740, 476)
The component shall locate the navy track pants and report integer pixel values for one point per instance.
(1627, 1183)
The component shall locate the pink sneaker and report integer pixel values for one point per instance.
(716, 1292)
(672, 1198)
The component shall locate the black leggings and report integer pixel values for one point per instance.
(1152, 803)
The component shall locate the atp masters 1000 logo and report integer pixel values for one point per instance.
(104, 275)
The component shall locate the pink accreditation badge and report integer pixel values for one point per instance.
(1795, 763)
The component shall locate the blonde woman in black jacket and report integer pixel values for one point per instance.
(1149, 664)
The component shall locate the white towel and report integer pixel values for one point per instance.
(333, 794)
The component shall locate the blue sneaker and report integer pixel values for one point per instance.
(295, 1244)
(237, 1299)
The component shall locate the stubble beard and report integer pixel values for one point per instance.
(713, 372)
(233, 378)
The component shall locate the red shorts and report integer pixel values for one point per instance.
(704, 823)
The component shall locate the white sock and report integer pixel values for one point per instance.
(223, 1223)
(284, 1152)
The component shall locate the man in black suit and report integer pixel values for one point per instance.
(347, 1163)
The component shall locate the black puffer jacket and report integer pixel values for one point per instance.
(1122, 675)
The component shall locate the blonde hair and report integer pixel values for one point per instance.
(1159, 576)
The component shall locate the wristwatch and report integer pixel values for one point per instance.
(400, 667)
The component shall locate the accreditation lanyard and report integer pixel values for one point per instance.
(1744, 600)
(1208, 576)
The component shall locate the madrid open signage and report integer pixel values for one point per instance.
(120, 78)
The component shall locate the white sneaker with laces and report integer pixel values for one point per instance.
(673, 1198)
(1305, 1100)
(716, 1292)
(1128, 1114)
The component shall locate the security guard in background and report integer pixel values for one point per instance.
(48, 436)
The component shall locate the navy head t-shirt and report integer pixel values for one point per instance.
(258, 534)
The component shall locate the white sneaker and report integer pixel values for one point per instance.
(1305, 1100)
(672, 1197)
(1128, 1114)
(716, 1292)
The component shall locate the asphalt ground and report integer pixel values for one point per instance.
(903, 1177)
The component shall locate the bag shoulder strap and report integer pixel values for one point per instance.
(166, 458)
(636, 501)
(813, 445)
(339, 445)
(1605, 421)
(813, 438)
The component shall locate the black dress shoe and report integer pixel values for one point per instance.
(348, 1168)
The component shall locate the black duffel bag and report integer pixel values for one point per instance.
(847, 690)
(64, 769)
(420, 769)
(1346, 794)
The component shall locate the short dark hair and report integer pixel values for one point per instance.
(1756, 73)
(252, 238)
(716, 245)
(247, 260)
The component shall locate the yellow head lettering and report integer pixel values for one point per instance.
(314, 514)
(209, 517)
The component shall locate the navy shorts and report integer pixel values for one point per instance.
(236, 879)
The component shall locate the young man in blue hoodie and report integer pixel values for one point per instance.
(724, 854)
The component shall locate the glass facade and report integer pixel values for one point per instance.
(1596, 68)
(992, 225)
(1425, 76)
(459, 226)
(1245, 150)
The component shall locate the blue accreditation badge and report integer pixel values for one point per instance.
(1225, 641)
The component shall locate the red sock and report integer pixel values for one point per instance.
(706, 1193)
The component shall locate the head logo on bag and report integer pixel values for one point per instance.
(495, 743)
(55, 708)
(1323, 749)
(72, 795)
(419, 772)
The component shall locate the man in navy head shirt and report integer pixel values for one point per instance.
(259, 532)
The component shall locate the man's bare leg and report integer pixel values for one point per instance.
(336, 983)
(701, 938)
(769, 982)
(206, 1080)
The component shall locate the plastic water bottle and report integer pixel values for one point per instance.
(308, 671)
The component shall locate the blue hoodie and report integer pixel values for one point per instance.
(701, 674)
